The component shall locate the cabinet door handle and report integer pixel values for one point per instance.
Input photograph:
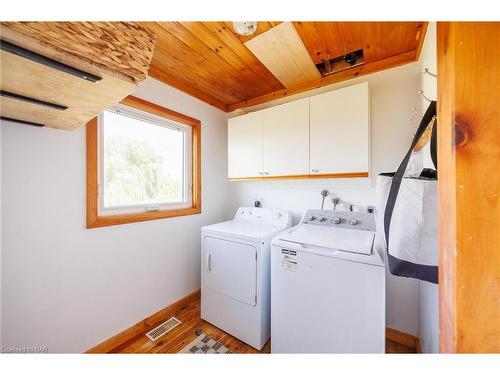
(266, 173)
(261, 173)
(315, 170)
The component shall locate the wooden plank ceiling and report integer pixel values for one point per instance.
(281, 50)
(209, 61)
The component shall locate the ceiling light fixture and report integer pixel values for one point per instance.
(245, 27)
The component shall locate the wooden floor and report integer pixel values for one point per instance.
(189, 315)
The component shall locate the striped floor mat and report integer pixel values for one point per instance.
(204, 344)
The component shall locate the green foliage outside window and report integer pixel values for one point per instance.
(134, 174)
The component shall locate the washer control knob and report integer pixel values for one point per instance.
(336, 220)
(312, 218)
(353, 222)
(322, 219)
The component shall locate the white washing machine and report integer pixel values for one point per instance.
(328, 286)
(235, 272)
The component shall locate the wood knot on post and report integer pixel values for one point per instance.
(462, 134)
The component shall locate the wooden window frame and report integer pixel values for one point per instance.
(94, 220)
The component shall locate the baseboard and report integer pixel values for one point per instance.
(403, 338)
(143, 326)
(150, 322)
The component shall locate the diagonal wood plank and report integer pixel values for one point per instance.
(192, 61)
(215, 49)
(232, 42)
(198, 78)
(329, 33)
(313, 41)
(262, 27)
(362, 35)
(281, 50)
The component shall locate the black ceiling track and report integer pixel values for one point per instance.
(21, 121)
(27, 99)
(27, 54)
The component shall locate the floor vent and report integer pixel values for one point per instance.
(163, 328)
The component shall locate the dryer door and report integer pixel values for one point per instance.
(230, 268)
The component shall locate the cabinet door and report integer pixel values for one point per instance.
(340, 131)
(286, 139)
(245, 146)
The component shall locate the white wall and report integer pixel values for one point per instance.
(429, 299)
(428, 59)
(68, 288)
(393, 94)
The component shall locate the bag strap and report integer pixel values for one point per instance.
(398, 175)
(434, 145)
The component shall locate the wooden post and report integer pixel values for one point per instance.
(469, 186)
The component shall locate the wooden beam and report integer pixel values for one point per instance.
(420, 39)
(344, 75)
(469, 186)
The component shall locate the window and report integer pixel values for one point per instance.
(143, 163)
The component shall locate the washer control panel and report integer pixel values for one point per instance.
(341, 219)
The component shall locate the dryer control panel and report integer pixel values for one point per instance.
(274, 215)
(340, 219)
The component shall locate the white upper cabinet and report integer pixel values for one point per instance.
(286, 139)
(324, 136)
(245, 146)
(339, 131)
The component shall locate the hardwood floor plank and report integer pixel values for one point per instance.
(190, 320)
(392, 347)
(144, 345)
(182, 335)
(140, 343)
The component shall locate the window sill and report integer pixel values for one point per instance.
(105, 221)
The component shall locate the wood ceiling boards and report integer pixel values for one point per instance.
(209, 61)
(281, 50)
